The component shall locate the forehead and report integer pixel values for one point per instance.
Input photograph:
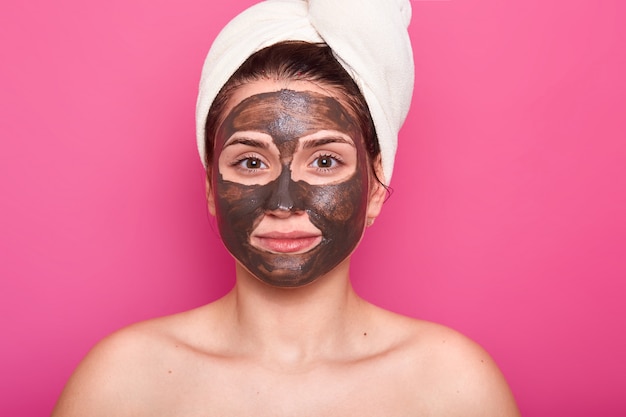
(288, 114)
(285, 111)
(267, 86)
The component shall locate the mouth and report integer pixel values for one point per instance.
(292, 242)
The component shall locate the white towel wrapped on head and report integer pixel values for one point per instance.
(368, 37)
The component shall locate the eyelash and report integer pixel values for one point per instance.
(238, 163)
(337, 161)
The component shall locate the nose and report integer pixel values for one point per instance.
(280, 201)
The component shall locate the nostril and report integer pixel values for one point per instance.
(280, 198)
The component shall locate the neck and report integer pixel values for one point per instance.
(295, 327)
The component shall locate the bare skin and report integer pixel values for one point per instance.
(265, 350)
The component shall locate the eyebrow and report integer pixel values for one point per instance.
(313, 143)
(249, 142)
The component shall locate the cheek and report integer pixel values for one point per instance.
(238, 206)
(339, 203)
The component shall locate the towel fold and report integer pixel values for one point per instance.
(369, 38)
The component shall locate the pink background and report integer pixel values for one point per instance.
(507, 221)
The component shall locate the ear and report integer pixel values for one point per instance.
(377, 193)
(210, 196)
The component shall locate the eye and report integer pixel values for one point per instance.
(250, 163)
(326, 162)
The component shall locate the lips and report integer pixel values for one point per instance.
(292, 242)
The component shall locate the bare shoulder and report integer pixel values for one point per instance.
(128, 369)
(452, 374)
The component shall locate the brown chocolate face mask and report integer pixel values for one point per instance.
(337, 209)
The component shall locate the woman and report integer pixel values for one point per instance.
(295, 174)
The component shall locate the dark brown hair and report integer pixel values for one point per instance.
(296, 60)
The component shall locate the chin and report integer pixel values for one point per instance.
(293, 270)
(286, 277)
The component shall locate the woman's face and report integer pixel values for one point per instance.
(290, 181)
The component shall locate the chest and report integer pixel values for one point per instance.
(237, 390)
